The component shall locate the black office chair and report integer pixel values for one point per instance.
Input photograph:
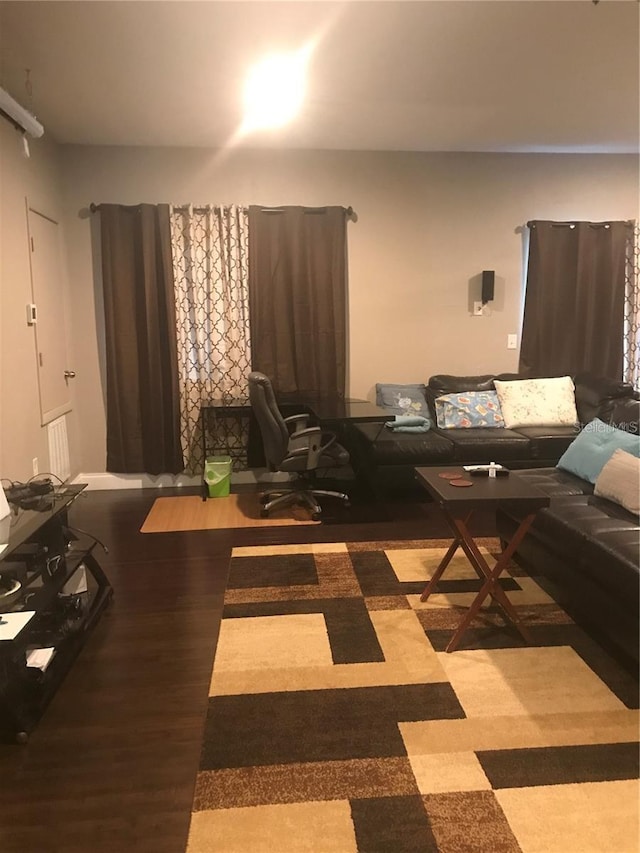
(291, 446)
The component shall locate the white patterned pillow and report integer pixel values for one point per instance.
(619, 481)
(537, 402)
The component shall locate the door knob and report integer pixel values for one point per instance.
(69, 374)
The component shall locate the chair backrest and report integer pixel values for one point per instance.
(275, 435)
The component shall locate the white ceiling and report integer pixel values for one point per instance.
(427, 75)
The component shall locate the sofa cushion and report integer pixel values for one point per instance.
(537, 402)
(402, 399)
(562, 525)
(556, 482)
(573, 520)
(611, 558)
(549, 442)
(619, 481)
(488, 444)
(469, 409)
(587, 454)
(382, 446)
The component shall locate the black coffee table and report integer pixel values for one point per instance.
(458, 505)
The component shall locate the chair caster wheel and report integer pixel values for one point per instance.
(264, 499)
(315, 516)
(346, 503)
(264, 513)
(22, 737)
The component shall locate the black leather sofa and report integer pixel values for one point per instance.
(586, 551)
(384, 460)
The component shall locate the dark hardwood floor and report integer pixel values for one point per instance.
(112, 764)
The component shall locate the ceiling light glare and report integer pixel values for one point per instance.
(275, 90)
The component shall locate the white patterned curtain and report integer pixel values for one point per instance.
(632, 309)
(210, 265)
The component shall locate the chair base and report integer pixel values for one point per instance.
(303, 497)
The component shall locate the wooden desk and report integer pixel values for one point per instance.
(229, 419)
(328, 410)
(458, 505)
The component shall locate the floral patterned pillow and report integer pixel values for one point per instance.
(402, 399)
(469, 409)
(538, 402)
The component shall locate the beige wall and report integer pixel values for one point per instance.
(427, 225)
(36, 180)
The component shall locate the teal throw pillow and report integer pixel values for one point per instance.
(402, 399)
(589, 452)
(469, 409)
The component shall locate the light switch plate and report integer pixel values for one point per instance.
(512, 342)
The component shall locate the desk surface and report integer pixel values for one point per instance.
(336, 409)
(485, 491)
(325, 408)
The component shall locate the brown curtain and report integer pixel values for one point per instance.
(574, 301)
(297, 297)
(143, 410)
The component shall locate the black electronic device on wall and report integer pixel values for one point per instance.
(488, 282)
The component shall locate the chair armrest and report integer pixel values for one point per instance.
(306, 442)
(299, 422)
(304, 437)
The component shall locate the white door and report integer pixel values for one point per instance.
(50, 327)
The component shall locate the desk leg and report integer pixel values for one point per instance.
(204, 491)
(490, 587)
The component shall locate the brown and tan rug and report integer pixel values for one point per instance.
(337, 723)
(190, 512)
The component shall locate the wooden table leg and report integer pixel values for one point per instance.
(490, 587)
(479, 563)
(457, 542)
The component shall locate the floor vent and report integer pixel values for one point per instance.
(59, 449)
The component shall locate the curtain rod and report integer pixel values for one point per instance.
(349, 210)
(628, 223)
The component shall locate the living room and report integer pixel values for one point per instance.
(409, 280)
(430, 216)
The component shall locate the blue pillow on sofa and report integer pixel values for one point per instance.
(402, 399)
(469, 409)
(589, 452)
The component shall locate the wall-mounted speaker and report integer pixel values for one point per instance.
(488, 282)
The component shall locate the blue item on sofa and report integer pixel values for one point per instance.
(588, 453)
(469, 409)
(402, 399)
(409, 423)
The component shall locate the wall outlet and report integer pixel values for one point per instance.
(34, 462)
(478, 309)
(512, 342)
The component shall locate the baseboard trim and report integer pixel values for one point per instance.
(107, 481)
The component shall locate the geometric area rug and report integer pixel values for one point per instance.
(337, 723)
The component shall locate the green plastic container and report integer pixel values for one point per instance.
(217, 475)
